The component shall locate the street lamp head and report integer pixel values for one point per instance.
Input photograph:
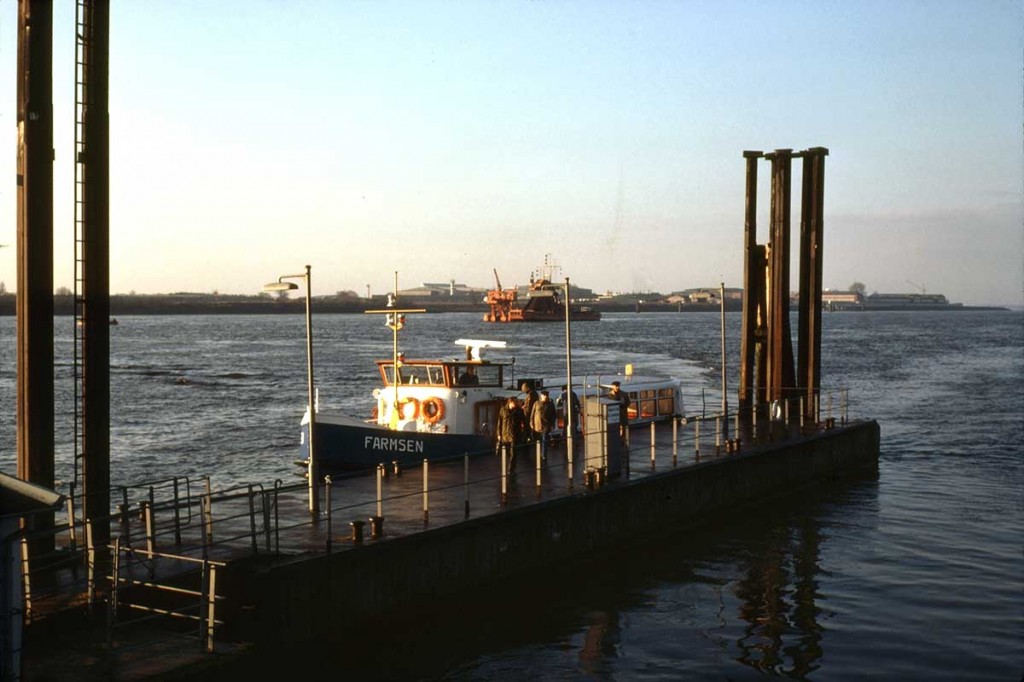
(280, 286)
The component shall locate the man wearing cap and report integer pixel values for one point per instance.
(618, 395)
(509, 430)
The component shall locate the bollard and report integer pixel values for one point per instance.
(844, 397)
(376, 527)
(696, 440)
(600, 476)
(426, 490)
(718, 435)
(357, 532)
(395, 468)
(589, 477)
(753, 414)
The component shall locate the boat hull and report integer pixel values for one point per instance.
(356, 446)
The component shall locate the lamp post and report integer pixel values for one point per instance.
(311, 464)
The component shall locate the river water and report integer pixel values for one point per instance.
(917, 574)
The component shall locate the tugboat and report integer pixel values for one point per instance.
(543, 301)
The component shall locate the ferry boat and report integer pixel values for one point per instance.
(438, 409)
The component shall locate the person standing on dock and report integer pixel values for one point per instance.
(618, 395)
(510, 430)
(529, 401)
(569, 400)
(542, 420)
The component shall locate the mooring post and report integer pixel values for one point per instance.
(753, 278)
(810, 276)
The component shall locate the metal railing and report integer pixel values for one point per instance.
(166, 529)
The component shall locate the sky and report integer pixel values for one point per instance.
(444, 140)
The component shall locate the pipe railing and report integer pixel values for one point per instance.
(162, 515)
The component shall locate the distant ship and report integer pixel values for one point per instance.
(543, 302)
(908, 302)
(854, 300)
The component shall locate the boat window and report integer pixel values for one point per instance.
(666, 401)
(414, 375)
(486, 416)
(647, 405)
(486, 375)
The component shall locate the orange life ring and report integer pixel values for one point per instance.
(415, 408)
(433, 410)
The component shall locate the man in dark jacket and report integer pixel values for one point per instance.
(510, 429)
(542, 420)
(529, 400)
(618, 395)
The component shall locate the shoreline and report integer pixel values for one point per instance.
(121, 305)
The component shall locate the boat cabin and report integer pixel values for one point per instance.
(442, 373)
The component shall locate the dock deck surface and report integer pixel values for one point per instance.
(274, 523)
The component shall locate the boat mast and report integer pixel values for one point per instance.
(395, 320)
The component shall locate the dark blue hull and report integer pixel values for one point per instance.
(349, 447)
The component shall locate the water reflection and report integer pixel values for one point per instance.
(600, 641)
(778, 602)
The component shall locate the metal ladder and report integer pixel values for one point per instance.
(82, 100)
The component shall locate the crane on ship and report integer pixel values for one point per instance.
(917, 286)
